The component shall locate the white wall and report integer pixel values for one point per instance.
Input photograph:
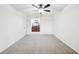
(11, 26)
(66, 26)
(45, 25)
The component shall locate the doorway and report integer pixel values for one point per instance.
(35, 25)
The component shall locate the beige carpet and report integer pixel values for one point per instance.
(39, 44)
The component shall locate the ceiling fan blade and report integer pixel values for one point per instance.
(47, 6)
(34, 6)
(47, 10)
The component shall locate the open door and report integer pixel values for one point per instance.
(35, 25)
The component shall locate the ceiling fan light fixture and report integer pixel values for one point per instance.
(40, 11)
(42, 8)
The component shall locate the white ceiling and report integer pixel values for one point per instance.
(29, 10)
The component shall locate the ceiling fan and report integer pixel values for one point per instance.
(41, 8)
